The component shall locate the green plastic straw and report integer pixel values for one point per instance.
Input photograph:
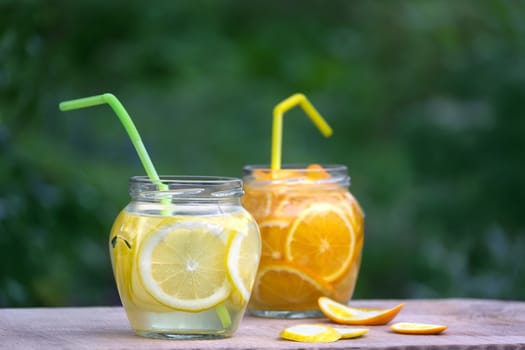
(126, 121)
(128, 124)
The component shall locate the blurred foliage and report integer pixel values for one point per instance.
(427, 99)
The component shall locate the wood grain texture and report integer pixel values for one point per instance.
(473, 324)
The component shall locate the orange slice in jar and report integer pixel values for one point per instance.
(285, 287)
(417, 328)
(293, 203)
(257, 202)
(316, 172)
(355, 211)
(262, 174)
(273, 234)
(278, 174)
(344, 314)
(322, 240)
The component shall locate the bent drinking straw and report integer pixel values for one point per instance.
(128, 124)
(277, 130)
(126, 121)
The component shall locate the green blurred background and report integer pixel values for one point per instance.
(427, 99)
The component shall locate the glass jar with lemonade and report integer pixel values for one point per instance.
(312, 237)
(185, 257)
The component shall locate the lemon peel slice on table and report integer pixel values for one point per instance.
(417, 328)
(182, 265)
(311, 333)
(343, 314)
(350, 333)
(320, 333)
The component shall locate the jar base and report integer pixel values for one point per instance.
(181, 336)
(286, 314)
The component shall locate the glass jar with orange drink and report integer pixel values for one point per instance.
(312, 237)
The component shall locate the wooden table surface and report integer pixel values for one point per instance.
(473, 324)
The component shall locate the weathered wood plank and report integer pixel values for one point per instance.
(483, 324)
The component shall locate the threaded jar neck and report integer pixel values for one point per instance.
(300, 174)
(185, 188)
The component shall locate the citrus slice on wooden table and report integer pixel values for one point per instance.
(417, 328)
(350, 333)
(182, 265)
(322, 240)
(311, 333)
(344, 314)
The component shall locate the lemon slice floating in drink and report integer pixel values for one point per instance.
(182, 265)
(242, 263)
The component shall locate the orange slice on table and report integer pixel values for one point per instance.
(311, 333)
(417, 328)
(343, 314)
(322, 240)
(285, 287)
(273, 234)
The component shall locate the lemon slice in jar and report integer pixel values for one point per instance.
(182, 265)
(244, 251)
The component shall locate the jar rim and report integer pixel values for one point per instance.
(338, 174)
(184, 187)
(188, 179)
(297, 166)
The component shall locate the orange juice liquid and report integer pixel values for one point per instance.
(312, 238)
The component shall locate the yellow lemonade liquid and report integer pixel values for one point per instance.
(185, 276)
(312, 238)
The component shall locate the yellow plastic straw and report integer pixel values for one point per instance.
(277, 131)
